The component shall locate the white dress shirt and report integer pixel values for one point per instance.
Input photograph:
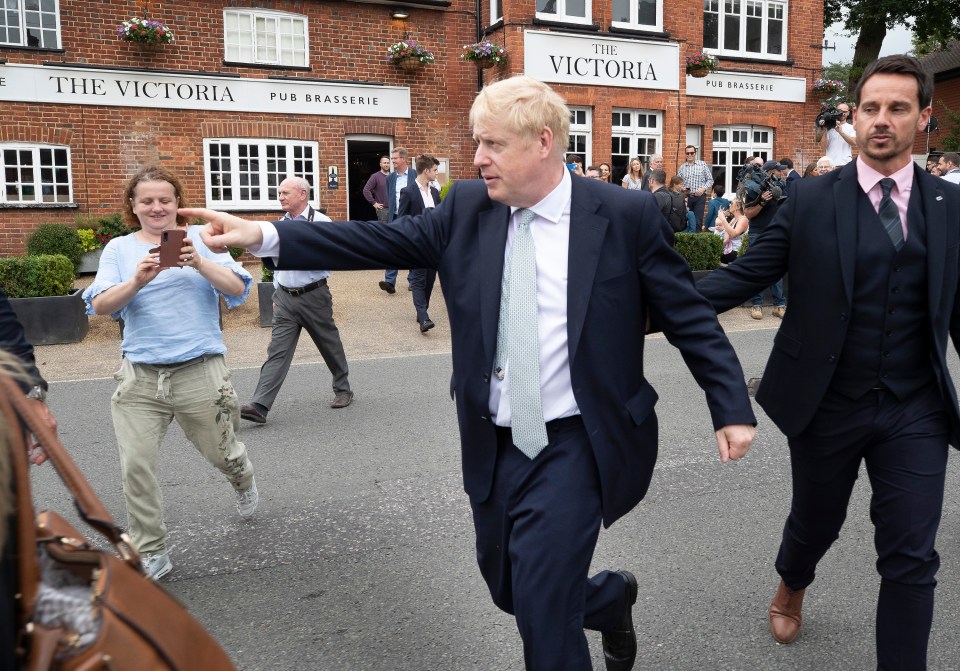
(294, 279)
(550, 229)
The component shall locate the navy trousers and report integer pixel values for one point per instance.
(536, 534)
(421, 284)
(904, 446)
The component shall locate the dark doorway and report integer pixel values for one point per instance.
(363, 159)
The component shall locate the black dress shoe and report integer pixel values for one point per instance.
(426, 325)
(620, 644)
(251, 414)
(389, 288)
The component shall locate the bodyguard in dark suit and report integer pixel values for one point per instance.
(414, 199)
(548, 279)
(400, 178)
(858, 370)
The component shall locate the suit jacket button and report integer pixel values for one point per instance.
(843, 316)
(831, 358)
(486, 377)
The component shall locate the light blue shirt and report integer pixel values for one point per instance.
(401, 185)
(176, 316)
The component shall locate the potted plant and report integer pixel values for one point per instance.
(409, 55)
(484, 54)
(41, 292)
(145, 32)
(54, 238)
(701, 64)
(110, 227)
(828, 87)
(90, 251)
(265, 289)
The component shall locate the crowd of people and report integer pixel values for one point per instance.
(558, 430)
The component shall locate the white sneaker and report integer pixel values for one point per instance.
(156, 566)
(247, 499)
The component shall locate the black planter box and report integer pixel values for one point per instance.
(53, 320)
(265, 296)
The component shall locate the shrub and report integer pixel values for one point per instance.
(55, 239)
(31, 276)
(701, 250)
(88, 240)
(445, 188)
(266, 275)
(111, 227)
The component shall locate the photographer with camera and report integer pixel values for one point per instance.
(762, 191)
(834, 126)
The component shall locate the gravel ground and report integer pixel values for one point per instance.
(373, 324)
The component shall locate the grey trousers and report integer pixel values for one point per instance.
(312, 311)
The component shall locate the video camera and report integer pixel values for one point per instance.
(829, 117)
(754, 181)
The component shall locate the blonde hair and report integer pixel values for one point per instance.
(524, 106)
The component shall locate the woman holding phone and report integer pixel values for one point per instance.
(172, 353)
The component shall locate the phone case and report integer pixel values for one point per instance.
(171, 242)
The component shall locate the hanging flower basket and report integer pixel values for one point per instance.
(145, 32)
(409, 55)
(700, 64)
(828, 87)
(484, 54)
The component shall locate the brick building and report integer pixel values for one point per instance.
(945, 68)
(254, 90)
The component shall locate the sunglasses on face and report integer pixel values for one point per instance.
(691, 153)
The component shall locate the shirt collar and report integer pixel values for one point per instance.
(305, 213)
(869, 178)
(553, 206)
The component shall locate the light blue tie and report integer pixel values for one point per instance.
(518, 340)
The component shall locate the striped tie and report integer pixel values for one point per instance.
(890, 214)
(518, 340)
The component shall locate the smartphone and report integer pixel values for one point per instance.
(171, 242)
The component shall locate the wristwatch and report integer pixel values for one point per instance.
(38, 393)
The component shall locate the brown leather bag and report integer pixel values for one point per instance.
(135, 624)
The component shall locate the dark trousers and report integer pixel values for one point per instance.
(536, 535)
(421, 284)
(904, 445)
(696, 204)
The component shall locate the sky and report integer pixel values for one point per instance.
(897, 41)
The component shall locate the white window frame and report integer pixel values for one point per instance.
(581, 131)
(739, 142)
(258, 42)
(724, 9)
(560, 13)
(496, 11)
(634, 22)
(263, 177)
(44, 178)
(36, 16)
(635, 133)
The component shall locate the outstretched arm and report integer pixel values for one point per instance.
(734, 441)
(225, 230)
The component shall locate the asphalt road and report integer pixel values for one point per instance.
(361, 553)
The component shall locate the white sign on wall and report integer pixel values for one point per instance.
(748, 87)
(601, 61)
(123, 88)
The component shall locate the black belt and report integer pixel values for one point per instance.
(179, 364)
(299, 291)
(552, 426)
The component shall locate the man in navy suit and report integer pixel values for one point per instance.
(858, 370)
(414, 199)
(397, 181)
(559, 441)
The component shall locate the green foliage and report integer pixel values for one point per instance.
(88, 240)
(236, 252)
(55, 238)
(110, 227)
(266, 275)
(445, 188)
(85, 222)
(31, 276)
(701, 250)
(950, 141)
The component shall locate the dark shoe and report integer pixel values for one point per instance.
(342, 399)
(785, 616)
(620, 644)
(389, 288)
(426, 325)
(251, 414)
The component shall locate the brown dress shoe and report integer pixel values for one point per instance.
(785, 616)
(342, 399)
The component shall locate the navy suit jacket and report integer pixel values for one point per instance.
(621, 267)
(813, 237)
(411, 202)
(13, 339)
(392, 191)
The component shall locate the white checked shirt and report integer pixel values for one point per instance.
(696, 175)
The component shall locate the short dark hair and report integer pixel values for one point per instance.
(787, 162)
(718, 190)
(952, 157)
(676, 179)
(900, 65)
(425, 162)
(658, 175)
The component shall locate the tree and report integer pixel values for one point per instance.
(934, 23)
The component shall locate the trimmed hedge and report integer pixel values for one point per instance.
(54, 239)
(701, 250)
(32, 276)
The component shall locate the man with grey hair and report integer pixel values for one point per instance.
(301, 300)
(557, 425)
(656, 163)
